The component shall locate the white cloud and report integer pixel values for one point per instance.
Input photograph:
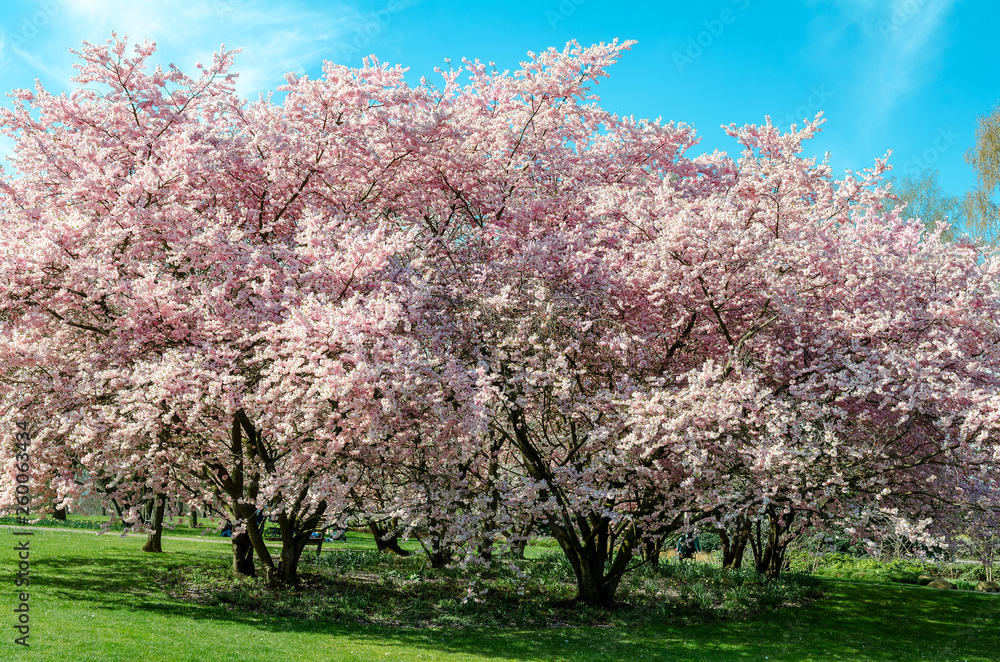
(910, 31)
(886, 50)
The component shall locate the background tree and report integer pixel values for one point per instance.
(927, 201)
(981, 203)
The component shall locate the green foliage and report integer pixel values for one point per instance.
(902, 571)
(709, 541)
(716, 593)
(926, 200)
(982, 202)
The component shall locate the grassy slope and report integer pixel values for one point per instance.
(95, 599)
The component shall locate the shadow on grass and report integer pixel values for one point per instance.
(875, 621)
(856, 620)
(112, 583)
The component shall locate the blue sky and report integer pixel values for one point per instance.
(911, 76)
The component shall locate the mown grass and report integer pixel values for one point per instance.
(207, 529)
(176, 526)
(101, 599)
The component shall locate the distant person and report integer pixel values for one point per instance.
(687, 545)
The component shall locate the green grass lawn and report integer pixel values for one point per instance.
(97, 598)
(208, 530)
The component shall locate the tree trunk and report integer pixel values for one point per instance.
(295, 532)
(519, 539)
(768, 546)
(243, 565)
(651, 549)
(287, 570)
(485, 547)
(440, 557)
(776, 561)
(59, 514)
(386, 540)
(734, 546)
(486, 543)
(596, 580)
(194, 518)
(250, 541)
(582, 536)
(438, 553)
(153, 540)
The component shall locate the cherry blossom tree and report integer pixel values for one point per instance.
(143, 254)
(848, 351)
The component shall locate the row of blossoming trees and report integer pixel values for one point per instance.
(456, 311)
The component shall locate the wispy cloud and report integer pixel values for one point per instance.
(911, 40)
(884, 52)
(38, 63)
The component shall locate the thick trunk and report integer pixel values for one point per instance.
(243, 556)
(194, 518)
(435, 543)
(250, 541)
(651, 550)
(438, 552)
(734, 543)
(768, 544)
(295, 533)
(287, 571)
(597, 568)
(59, 514)
(153, 540)
(593, 589)
(776, 562)
(485, 548)
(386, 540)
(439, 557)
(732, 557)
(583, 538)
